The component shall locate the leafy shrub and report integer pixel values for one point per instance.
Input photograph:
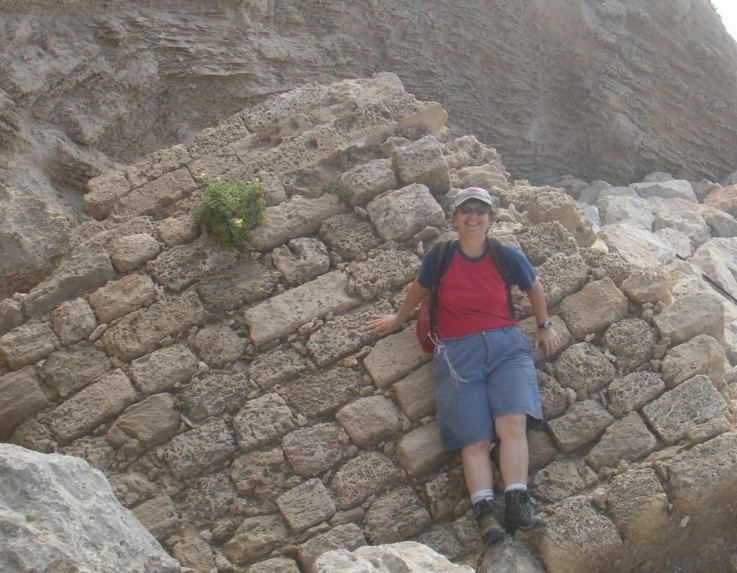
(230, 210)
(338, 189)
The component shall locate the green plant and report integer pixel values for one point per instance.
(338, 189)
(230, 210)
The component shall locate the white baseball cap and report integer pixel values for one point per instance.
(473, 193)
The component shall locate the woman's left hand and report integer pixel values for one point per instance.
(548, 339)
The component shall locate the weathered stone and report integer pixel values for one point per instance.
(73, 321)
(421, 451)
(120, 297)
(718, 260)
(632, 341)
(584, 367)
(164, 368)
(194, 552)
(216, 393)
(400, 214)
(603, 295)
(201, 448)
(369, 420)
(27, 344)
(626, 440)
(348, 235)
(242, 283)
(21, 396)
(262, 421)
(633, 391)
(636, 246)
(35, 434)
(388, 270)
(648, 285)
(157, 164)
(219, 344)
(103, 193)
(638, 505)
(542, 448)
(608, 264)
(415, 393)
(159, 516)
(366, 181)
(286, 312)
(578, 539)
(700, 355)
(705, 476)
(132, 488)
(692, 403)
(158, 194)
(320, 395)
(143, 330)
(366, 474)
(146, 424)
(562, 275)
(691, 315)
(275, 565)
(441, 538)
(132, 251)
(11, 315)
(553, 397)
(208, 499)
(314, 450)
(720, 223)
(255, 537)
(680, 215)
(178, 268)
(91, 406)
(301, 260)
(348, 536)
(558, 480)
(177, 230)
(276, 366)
(529, 327)
(395, 516)
(394, 357)
(634, 210)
(94, 450)
(306, 505)
(583, 423)
(261, 473)
(445, 492)
(422, 161)
(683, 246)
(724, 199)
(554, 205)
(544, 240)
(672, 189)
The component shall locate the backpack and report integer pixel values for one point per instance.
(427, 315)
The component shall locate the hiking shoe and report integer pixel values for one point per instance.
(485, 513)
(519, 513)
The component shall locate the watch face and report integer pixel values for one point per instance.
(546, 325)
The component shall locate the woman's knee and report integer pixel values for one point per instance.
(481, 446)
(511, 426)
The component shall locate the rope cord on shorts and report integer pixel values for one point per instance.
(443, 351)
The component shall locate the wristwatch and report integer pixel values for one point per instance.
(547, 325)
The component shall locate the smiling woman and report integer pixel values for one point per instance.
(727, 10)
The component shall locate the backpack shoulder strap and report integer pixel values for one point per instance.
(500, 260)
(437, 254)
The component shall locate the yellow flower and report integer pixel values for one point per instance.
(238, 222)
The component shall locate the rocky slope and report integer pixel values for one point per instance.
(239, 408)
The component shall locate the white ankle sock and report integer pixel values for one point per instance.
(481, 495)
(515, 486)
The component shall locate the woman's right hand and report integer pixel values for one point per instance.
(383, 324)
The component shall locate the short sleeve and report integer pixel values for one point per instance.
(523, 274)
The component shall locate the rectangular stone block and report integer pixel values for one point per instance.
(394, 357)
(348, 536)
(160, 193)
(103, 193)
(306, 505)
(421, 450)
(159, 516)
(27, 344)
(20, 396)
(201, 448)
(162, 369)
(415, 393)
(120, 297)
(90, 407)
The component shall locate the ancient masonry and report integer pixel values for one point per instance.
(239, 408)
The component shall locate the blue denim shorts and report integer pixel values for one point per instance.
(480, 377)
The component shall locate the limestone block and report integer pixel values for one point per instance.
(158, 194)
(132, 488)
(395, 516)
(223, 164)
(174, 231)
(638, 505)
(682, 216)
(554, 205)
(415, 393)
(609, 264)
(86, 528)
(633, 391)
(142, 330)
(724, 199)
(394, 357)
(562, 275)
(295, 218)
(632, 341)
(705, 476)
(11, 315)
(274, 192)
(542, 448)
(157, 164)
(446, 492)
(700, 355)
(120, 297)
(91, 406)
(582, 424)
(554, 398)
(21, 395)
(344, 335)
(648, 285)
(342, 537)
(313, 450)
(421, 451)
(159, 516)
(208, 499)
(306, 505)
(262, 421)
(422, 161)
(211, 139)
(286, 312)
(275, 565)
(276, 366)
(163, 369)
(73, 321)
(692, 403)
(578, 539)
(720, 223)
(216, 393)
(301, 260)
(636, 246)
(400, 214)
(27, 344)
(544, 240)
(558, 480)
(368, 180)
(626, 440)
(255, 538)
(146, 424)
(320, 395)
(201, 448)
(219, 345)
(369, 420)
(718, 259)
(387, 270)
(691, 315)
(673, 189)
(103, 193)
(584, 368)
(233, 287)
(132, 251)
(179, 267)
(261, 473)
(635, 210)
(194, 552)
(683, 246)
(94, 450)
(77, 276)
(603, 295)
(360, 477)
(348, 235)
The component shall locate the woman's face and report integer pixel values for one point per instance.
(472, 218)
